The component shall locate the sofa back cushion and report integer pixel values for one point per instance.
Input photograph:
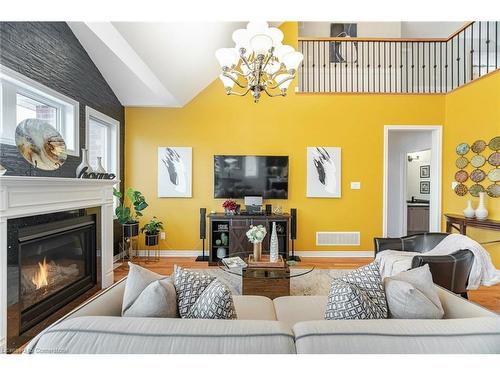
(109, 335)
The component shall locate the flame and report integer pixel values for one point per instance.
(40, 279)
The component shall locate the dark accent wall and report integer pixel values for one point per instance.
(49, 52)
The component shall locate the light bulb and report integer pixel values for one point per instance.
(282, 77)
(227, 57)
(292, 60)
(226, 81)
(261, 44)
(282, 51)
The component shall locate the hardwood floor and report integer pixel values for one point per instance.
(488, 297)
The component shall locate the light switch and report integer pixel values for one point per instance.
(162, 235)
(355, 185)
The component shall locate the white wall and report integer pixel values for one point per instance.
(429, 29)
(413, 174)
(400, 143)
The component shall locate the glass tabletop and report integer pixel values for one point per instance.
(290, 269)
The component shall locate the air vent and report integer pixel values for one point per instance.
(337, 238)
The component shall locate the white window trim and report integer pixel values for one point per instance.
(31, 88)
(92, 113)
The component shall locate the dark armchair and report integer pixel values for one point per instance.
(449, 271)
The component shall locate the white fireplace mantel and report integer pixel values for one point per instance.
(22, 196)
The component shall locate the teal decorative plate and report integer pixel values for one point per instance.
(478, 146)
(478, 161)
(475, 189)
(494, 175)
(462, 148)
(493, 190)
(494, 159)
(461, 162)
(495, 143)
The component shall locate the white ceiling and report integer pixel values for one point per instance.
(160, 64)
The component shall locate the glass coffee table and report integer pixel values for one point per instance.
(265, 280)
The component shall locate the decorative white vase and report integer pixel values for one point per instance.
(84, 164)
(481, 211)
(100, 168)
(469, 212)
(221, 252)
(273, 247)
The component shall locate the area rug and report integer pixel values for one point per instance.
(314, 283)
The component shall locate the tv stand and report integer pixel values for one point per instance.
(235, 228)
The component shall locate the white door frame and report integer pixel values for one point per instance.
(436, 173)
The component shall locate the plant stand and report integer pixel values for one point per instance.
(129, 248)
(152, 247)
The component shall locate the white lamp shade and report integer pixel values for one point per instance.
(276, 35)
(240, 39)
(227, 57)
(226, 81)
(261, 44)
(282, 51)
(292, 60)
(282, 77)
(272, 67)
(257, 27)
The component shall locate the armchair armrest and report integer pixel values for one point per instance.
(381, 244)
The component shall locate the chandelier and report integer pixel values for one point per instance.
(258, 62)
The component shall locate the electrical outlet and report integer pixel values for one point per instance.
(162, 235)
(355, 185)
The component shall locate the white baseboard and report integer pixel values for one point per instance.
(311, 254)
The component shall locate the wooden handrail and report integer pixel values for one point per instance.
(356, 39)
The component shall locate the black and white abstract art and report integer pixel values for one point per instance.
(323, 172)
(174, 172)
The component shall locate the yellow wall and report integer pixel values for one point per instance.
(216, 124)
(471, 113)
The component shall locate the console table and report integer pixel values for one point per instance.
(460, 223)
(234, 228)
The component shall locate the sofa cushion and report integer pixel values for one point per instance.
(108, 335)
(148, 294)
(294, 309)
(357, 295)
(215, 302)
(189, 285)
(254, 308)
(411, 295)
(398, 336)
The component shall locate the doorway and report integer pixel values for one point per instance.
(412, 168)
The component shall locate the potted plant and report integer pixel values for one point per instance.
(256, 235)
(229, 207)
(151, 231)
(128, 216)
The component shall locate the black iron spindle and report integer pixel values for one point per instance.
(329, 67)
(487, 47)
(458, 59)
(464, 59)
(496, 45)
(352, 70)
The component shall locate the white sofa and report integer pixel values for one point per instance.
(285, 325)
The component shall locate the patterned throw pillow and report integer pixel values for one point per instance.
(202, 296)
(357, 295)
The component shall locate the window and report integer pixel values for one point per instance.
(102, 140)
(22, 98)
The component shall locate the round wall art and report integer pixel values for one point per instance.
(477, 175)
(462, 148)
(475, 189)
(478, 146)
(461, 162)
(478, 161)
(461, 176)
(40, 144)
(495, 143)
(493, 190)
(461, 190)
(494, 175)
(494, 159)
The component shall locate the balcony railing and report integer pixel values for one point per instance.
(364, 65)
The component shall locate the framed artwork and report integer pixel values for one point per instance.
(425, 171)
(174, 172)
(425, 187)
(323, 172)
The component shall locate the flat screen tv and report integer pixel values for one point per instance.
(237, 176)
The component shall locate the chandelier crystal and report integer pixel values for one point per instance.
(258, 63)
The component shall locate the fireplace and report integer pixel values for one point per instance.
(57, 263)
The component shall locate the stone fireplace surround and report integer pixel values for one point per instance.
(22, 196)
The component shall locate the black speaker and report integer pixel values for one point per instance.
(293, 223)
(203, 223)
(203, 234)
(269, 209)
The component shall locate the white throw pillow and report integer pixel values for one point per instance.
(412, 295)
(148, 294)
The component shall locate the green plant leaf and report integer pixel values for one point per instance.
(117, 193)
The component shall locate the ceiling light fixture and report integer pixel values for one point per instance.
(258, 62)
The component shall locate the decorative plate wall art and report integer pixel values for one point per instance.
(494, 159)
(461, 176)
(478, 161)
(40, 144)
(477, 175)
(461, 190)
(494, 143)
(493, 190)
(462, 148)
(478, 146)
(494, 175)
(475, 189)
(462, 162)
